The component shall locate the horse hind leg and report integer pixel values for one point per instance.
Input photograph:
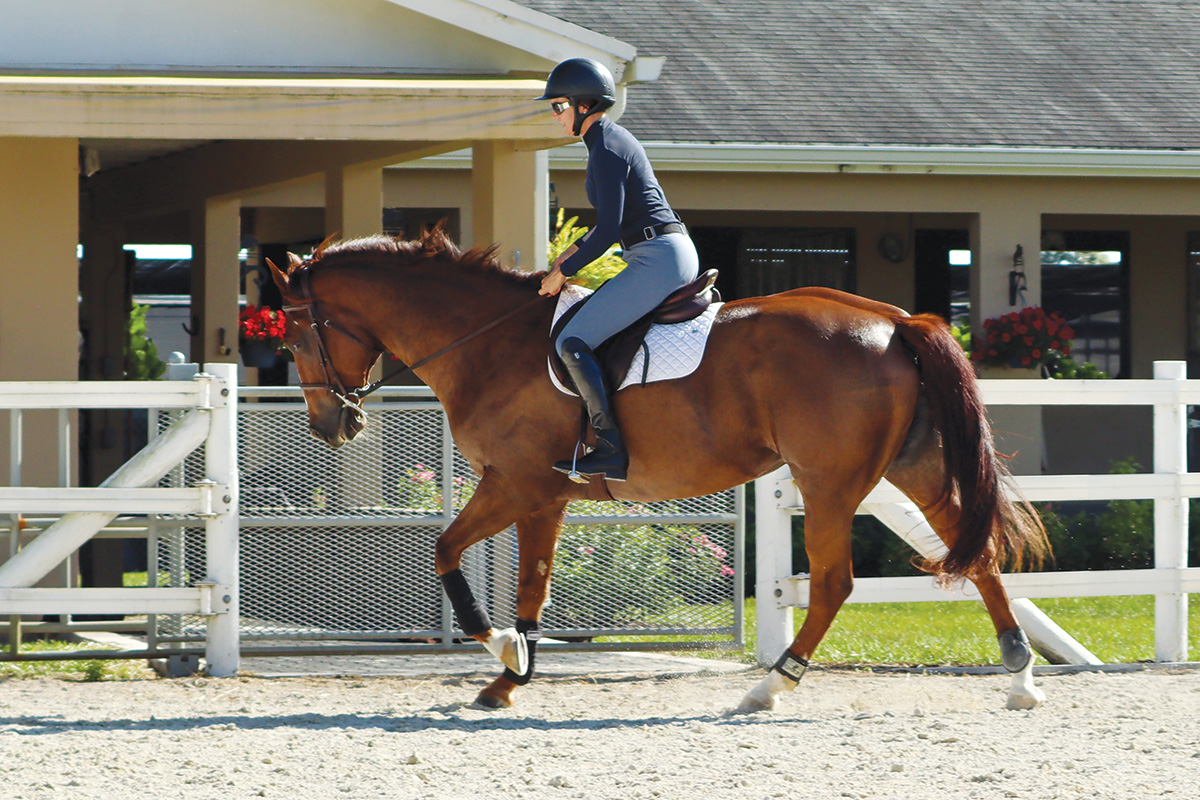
(827, 520)
(920, 478)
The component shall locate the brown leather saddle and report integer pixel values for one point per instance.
(617, 354)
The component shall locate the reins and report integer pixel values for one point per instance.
(363, 391)
(333, 383)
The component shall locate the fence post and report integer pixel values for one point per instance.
(772, 561)
(222, 648)
(1170, 520)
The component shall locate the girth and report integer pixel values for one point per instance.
(616, 354)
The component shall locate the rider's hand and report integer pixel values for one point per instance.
(553, 282)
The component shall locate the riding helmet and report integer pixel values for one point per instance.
(582, 79)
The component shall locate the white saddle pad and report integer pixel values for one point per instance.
(675, 350)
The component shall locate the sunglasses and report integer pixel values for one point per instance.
(559, 107)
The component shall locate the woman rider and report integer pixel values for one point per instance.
(632, 209)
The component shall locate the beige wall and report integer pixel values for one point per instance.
(1003, 211)
(39, 310)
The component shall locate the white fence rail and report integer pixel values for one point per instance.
(777, 499)
(210, 400)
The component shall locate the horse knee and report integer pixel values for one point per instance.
(834, 586)
(446, 555)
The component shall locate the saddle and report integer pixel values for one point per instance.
(616, 354)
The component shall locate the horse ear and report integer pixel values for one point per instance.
(293, 261)
(320, 251)
(281, 279)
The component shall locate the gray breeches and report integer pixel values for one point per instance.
(656, 268)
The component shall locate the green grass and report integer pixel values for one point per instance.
(1115, 629)
(89, 670)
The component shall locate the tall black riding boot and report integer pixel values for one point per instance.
(609, 457)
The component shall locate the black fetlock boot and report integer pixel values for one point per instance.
(608, 458)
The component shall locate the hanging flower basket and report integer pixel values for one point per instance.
(260, 335)
(259, 353)
(1026, 339)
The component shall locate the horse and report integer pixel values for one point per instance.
(843, 390)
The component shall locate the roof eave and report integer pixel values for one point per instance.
(917, 159)
(532, 31)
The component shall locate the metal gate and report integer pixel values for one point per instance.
(337, 546)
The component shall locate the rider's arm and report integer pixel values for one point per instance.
(608, 179)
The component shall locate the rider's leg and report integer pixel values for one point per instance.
(656, 268)
(609, 457)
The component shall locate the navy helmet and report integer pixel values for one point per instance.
(582, 80)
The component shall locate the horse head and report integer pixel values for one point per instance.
(333, 355)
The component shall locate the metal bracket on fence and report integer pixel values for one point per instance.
(214, 598)
(792, 592)
(787, 495)
(215, 498)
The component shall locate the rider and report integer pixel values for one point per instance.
(632, 209)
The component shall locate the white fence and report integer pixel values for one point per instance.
(777, 499)
(210, 405)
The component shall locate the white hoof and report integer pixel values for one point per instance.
(1022, 694)
(762, 697)
(510, 647)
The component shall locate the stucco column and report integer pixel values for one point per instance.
(510, 203)
(995, 233)
(39, 308)
(216, 239)
(353, 201)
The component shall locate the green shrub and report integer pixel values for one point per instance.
(606, 575)
(595, 274)
(141, 356)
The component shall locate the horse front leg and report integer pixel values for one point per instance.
(537, 538)
(489, 511)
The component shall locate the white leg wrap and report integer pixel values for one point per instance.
(762, 696)
(1022, 694)
(510, 647)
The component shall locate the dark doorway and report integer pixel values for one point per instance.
(941, 288)
(718, 249)
(1085, 278)
(774, 260)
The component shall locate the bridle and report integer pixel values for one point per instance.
(307, 305)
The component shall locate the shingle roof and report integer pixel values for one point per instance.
(1021, 73)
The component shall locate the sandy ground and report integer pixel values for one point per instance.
(841, 734)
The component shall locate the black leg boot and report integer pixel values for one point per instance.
(609, 457)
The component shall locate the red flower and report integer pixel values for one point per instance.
(261, 324)
(1029, 337)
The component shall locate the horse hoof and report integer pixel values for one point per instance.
(492, 702)
(1024, 701)
(511, 648)
(753, 703)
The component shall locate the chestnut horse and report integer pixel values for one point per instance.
(841, 389)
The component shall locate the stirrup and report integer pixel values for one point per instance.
(572, 473)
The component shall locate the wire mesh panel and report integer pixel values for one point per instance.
(337, 545)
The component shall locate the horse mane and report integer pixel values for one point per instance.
(433, 244)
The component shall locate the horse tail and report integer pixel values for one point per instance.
(992, 529)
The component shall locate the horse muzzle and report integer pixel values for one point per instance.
(350, 423)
